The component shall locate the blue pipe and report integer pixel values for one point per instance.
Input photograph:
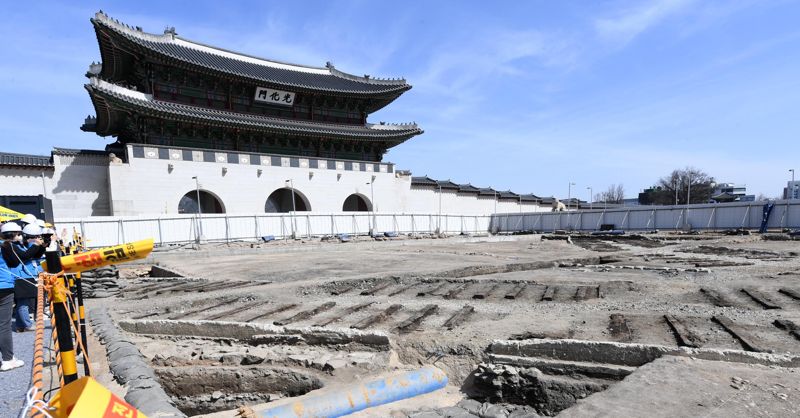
(366, 395)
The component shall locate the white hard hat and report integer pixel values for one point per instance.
(40, 222)
(32, 230)
(28, 219)
(48, 231)
(10, 227)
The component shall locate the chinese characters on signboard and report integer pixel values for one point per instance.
(279, 97)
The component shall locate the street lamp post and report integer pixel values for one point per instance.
(569, 195)
(294, 209)
(372, 206)
(439, 217)
(676, 191)
(569, 203)
(199, 209)
(791, 170)
(689, 192)
(688, 198)
(591, 205)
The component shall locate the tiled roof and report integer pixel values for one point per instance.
(25, 160)
(447, 185)
(508, 194)
(530, 197)
(487, 191)
(467, 188)
(73, 151)
(144, 103)
(172, 47)
(423, 181)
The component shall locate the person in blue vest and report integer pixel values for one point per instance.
(32, 250)
(10, 233)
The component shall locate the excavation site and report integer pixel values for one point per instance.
(573, 325)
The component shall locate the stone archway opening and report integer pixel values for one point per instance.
(209, 203)
(280, 201)
(356, 203)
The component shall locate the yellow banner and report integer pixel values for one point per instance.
(102, 257)
(7, 214)
(85, 398)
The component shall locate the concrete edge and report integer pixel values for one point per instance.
(161, 271)
(255, 332)
(131, 370)
(630, 354)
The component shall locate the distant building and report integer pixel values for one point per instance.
(634, 201)
(651, 196)
(729, 192)
(792, 190)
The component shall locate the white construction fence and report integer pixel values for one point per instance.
(102, 231)
(717, 216)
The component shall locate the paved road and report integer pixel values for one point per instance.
(14, 384)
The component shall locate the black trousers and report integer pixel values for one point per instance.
(6, 308)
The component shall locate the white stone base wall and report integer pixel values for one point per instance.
(77, 184)
(146, 185)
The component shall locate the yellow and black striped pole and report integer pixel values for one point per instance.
(82, 321)
(58, 298)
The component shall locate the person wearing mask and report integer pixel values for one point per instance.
(47, 236)
(9, 263)
(32, 249)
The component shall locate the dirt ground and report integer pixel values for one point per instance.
(443, 302)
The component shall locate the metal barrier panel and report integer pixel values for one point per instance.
(213, 227)
(269, 225)
(360, 224)
(704, 217)
(176, 229)
(241, 227)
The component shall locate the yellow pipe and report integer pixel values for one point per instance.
(102, 257)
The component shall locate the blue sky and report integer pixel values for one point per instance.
(526, 95)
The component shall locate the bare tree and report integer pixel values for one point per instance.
(674, 188)
(614, 194)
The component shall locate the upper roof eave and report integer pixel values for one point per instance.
(324, 79)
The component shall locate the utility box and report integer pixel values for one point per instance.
(39, 206)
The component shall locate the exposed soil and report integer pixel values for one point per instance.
(286, 319)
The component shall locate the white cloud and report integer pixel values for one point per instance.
(629, 23)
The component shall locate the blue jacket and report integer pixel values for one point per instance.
(29, 268)
(7, 274)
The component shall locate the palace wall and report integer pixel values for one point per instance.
(149, 185)
(153, 181)
(77, 184)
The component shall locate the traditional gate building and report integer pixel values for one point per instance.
(191, 123)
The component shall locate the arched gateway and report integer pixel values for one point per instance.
(280, 201)
(209, 203)
(356, 203)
